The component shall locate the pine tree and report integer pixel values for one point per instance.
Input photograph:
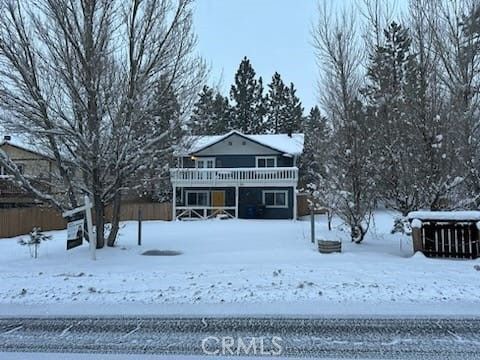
(202, 113)
(407, 117)
(390, 65)
(276, 104)
(152, 180)
(211, 113)
(294, 112)
(222, 112)
(315, 153)
(284, 109)
(249, 106)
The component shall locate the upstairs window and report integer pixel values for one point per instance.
(205, 163)
(266, 161)
(4, 173)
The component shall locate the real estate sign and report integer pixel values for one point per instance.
(80, 227)
(75, 231)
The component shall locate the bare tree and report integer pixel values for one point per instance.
(78, 76)
(458, 55)
(348, 182)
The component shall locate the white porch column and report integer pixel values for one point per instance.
(236, 202)
(294, 203)
(174, 203)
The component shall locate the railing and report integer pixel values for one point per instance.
(205, 212)
(287, 176)
(8, 188)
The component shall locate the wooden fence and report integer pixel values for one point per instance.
(303, 207)
(20, 221)
(150, 211)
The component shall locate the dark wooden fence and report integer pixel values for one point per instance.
(20, 221)
(303, 208)
(453, 239)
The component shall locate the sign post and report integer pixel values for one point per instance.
(93, 239)
(76, 227)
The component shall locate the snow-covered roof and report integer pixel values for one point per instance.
(445, 215)
(23, 143)
(291, 145)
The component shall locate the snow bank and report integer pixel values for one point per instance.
(445, 215)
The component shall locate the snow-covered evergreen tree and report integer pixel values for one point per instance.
(294, 112)
(284, 108)
(211, 114)
(316, 147)
(249, 109)
(36, 237)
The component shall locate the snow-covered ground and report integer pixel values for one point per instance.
(250, 266)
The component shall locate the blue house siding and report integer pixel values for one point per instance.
(239, 161)
(252, 196)
(229, 194)
(248, 197)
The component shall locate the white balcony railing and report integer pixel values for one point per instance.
(279, 176)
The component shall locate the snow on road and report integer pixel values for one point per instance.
(235, 262)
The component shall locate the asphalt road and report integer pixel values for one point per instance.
(335, 338)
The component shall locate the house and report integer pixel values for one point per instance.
(237, 175)
(32, 163)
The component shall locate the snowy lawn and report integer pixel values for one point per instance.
(240, 262)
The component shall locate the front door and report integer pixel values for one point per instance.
(218, 198)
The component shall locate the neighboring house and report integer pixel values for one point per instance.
(237, 175)
(33, 164)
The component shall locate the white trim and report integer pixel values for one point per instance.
(274, 198)
(187, 192)
(236, 201)
(243, 177)
(205, 159)
(295, 203)
(265, 158)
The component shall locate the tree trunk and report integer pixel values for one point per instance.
(99, 207)
(357, 233)
(115, 220)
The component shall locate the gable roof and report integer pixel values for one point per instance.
(25, 146)
(283, 143)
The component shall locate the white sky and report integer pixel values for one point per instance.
(273, 34)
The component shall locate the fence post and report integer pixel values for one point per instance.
(139, 225)
(417, 239)
(312, 224)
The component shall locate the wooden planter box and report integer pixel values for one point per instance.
(328, 246)
(450, 234)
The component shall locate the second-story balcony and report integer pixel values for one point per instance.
(202, 177)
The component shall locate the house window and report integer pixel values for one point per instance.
(275, 198)
(198, 198)
(266, 161)
(205, 163)
(4, 173)
(20, 168)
